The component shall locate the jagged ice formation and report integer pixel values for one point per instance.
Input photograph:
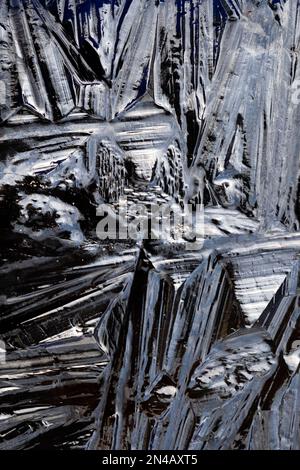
(144, 343)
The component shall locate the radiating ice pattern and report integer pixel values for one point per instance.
(169, 342)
